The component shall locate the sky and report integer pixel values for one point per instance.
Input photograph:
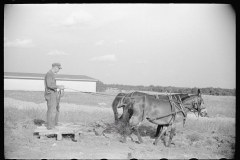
(180, 45)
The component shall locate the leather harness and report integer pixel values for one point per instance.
(173, 110)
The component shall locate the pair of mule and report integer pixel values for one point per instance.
(165, 111)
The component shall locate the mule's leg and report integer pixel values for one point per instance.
(127, 132)
(138, 135)
(159, 128)
(172, 133)
(124, 139)
(163, 131)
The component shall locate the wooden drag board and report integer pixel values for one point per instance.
(64, 128)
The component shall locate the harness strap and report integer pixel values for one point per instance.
(181, 105)
(163, 116)
(173, 111)
(121, 102)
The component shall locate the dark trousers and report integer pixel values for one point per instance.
(52, 113)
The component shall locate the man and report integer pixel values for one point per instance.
(50, 94)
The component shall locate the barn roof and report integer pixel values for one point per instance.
(17, 75)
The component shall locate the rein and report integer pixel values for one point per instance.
(92, 93)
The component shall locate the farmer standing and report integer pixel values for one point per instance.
(51, 94)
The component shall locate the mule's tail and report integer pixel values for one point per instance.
(115, 105)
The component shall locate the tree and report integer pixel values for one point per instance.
(100, 87)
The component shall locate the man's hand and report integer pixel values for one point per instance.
(61, 87)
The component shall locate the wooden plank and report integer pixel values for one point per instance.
(58, 129)
(62, 130)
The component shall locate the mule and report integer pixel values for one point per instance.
(122, 99)
(166, 112)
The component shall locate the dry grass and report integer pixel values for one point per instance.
(66, 115)
(193, 137)
(76, 107)
(224, 126)
(220, 106)
(69, 97)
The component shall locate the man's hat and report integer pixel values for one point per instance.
(57, 64)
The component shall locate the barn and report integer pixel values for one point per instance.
(35, 82)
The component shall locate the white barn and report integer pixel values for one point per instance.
(35, 82)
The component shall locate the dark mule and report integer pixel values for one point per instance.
(122, 99)
(166, 112)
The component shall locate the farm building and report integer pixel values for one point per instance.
(35, 82)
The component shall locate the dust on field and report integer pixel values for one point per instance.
(201, 138)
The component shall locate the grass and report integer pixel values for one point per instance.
(220, 106)
(69, 97)
(194, 137)
(224, 126)
(217, 106)
(21, 115)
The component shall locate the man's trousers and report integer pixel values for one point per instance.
(52, 115)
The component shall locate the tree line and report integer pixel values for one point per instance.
(101, 87)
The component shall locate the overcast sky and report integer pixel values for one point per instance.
(181, 45)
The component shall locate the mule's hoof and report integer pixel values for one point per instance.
(123, 140)
(169, 145)
(140, 140)
(154, 143)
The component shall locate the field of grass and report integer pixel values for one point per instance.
(69, 97)
(221, 109)
(217, 106)
(220, 106)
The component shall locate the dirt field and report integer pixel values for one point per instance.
(202, 138)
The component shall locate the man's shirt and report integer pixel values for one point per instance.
(50, 82)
